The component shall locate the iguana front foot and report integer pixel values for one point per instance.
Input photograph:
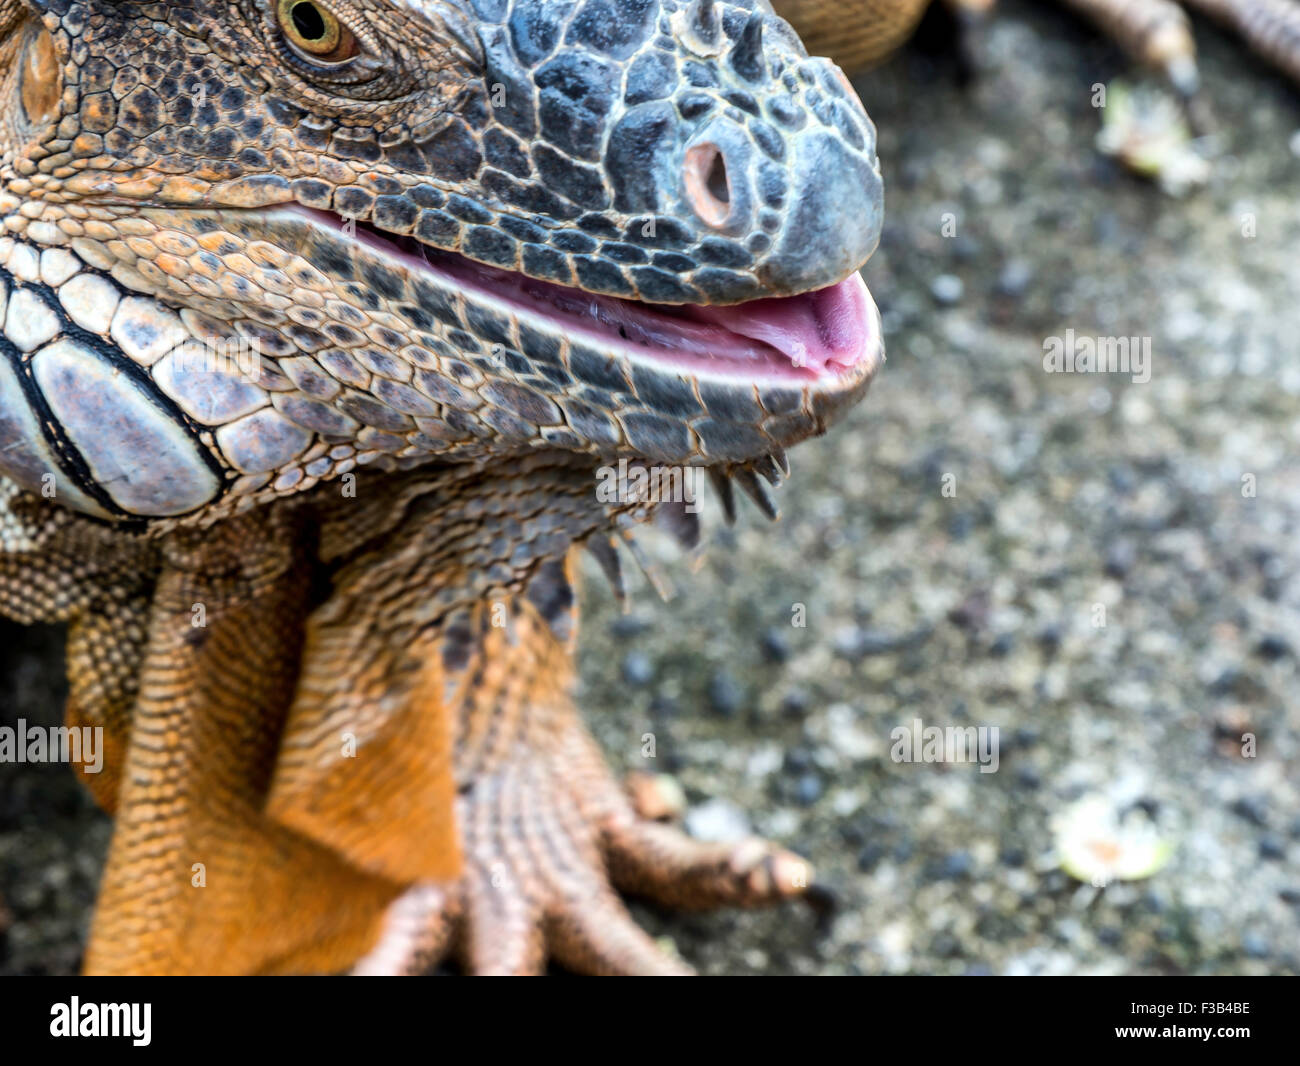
(549, 840)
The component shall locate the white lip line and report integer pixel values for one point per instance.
(752, 373)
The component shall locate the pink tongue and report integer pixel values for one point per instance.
(816, 330)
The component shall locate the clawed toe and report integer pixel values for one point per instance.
(663, 864)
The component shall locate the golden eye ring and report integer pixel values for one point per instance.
(315, 32)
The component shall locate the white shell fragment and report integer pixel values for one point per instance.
(1146, 130)
(1097, 845)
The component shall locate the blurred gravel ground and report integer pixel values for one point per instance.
(976, 608)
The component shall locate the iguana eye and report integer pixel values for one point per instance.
(315, 31)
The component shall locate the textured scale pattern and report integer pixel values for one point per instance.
(261, 354)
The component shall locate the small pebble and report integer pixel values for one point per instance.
(725, 694)
(637, 668)
(947, 290)
(854, 642)
(1110, 936)
(870, 856)
(945, 945)
(966, 249)
(627, 626)
(1252, 809)
(1256, 945)
(1014, 278)
(1273, 647)
(797, 761)
(775, 645)
(1271, 847)
(1120, 558)
(1225, 681)
(795, 703)
(1028, 777)
(663, 706)
(1121, 479)
(718, 821)
(809, 790)
(1026, 736)
(957, 864)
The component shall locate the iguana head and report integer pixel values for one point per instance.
(252, 244)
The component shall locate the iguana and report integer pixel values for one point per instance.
(320, 320)
(474, 250)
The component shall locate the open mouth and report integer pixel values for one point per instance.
(826, 337)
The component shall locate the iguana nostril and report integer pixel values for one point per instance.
(708, 186)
